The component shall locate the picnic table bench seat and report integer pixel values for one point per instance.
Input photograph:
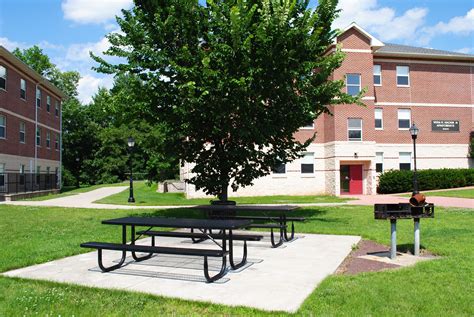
(157, 250)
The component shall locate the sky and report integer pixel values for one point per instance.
(67, 30)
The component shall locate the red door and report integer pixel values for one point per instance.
(355, 183)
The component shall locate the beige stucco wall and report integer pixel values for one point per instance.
(13, 162)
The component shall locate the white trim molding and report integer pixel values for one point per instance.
(412, 104)
(355, 50)
(409, 61)
(28, 119)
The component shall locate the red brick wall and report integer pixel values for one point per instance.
(429, 83)
(352, 39)
(11, 101)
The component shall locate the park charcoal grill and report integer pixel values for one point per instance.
(403, 211)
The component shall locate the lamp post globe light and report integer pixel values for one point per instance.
(131, 144)
(414, 133)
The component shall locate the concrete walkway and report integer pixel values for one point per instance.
(86, 200)
(275, 279)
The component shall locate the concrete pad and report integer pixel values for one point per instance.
(402, 259)
(274, 279)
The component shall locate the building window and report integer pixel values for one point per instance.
(48, 103)
(2, 174)
(379, 162)
(378, 118)
(353, 84)
(377, 75)
(3, 77)
(48, 139)
(405, 160)
(3, 127)
(354, 129)
(22, 132)
(38, 174)
(309, 126)
(38, 97)
(23, 89)
(280, 168)
(307, 163)
(38, 136)
(403, 76)
(56, 108)
(56, 141)
(404, 118)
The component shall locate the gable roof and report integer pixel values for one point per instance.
(412, 51)
(15, 61)
(374, 42)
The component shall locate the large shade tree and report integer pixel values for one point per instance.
(233, 80)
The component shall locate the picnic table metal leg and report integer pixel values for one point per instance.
(222, 272)
(134, 256)
(200, 239)
(231, 253)
(285, 230)
(272, 239)
(122, 260)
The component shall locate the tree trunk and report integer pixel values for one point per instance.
(223, 196)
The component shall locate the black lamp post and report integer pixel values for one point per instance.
(414, 133)
(131, 144)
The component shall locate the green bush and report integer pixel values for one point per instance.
(394, 181)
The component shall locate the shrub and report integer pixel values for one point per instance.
(394, 181)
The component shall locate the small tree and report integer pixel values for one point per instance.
(233, 80)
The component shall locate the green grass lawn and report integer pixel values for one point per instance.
(435, 288)
(69, 191)
(459, 193)
(147, 196)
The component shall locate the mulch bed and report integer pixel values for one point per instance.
(354, 265)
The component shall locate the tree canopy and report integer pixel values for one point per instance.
(232, 80)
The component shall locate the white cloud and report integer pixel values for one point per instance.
(93, 11)
(80, 52)
(460, 25)
(382, 22)
(88, 85)
(11, 45)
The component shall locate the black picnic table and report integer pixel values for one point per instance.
(205, 226)
(278, 215)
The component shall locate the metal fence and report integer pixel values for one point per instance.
(12, 183)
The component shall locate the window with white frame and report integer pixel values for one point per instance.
(2, 174)
(403, 76)
(22, 132)
(38, 174)
(377, 75)
(379, 162)
(404, 119)
(3, 77)
(23, 89)
(309, 126)
(3, 127)
(307, 163)
(48, 103)
(405, 160)
(56, 108)
(354, 129)
(353, 84)
(56, 141)
(378, 118)
(48, 139)
(280, 168)
(38, 136)
(38, 97)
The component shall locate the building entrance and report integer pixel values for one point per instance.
(351, 179)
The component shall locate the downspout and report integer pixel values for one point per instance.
(36, 129)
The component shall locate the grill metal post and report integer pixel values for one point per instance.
(417, 236)
(393, 245)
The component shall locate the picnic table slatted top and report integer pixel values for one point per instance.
(257, 208)
(226, 224)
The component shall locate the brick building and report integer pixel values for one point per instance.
(30, 128)
(405, 85)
